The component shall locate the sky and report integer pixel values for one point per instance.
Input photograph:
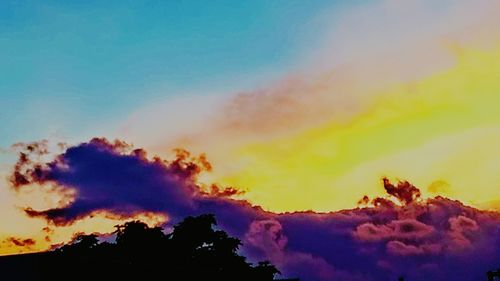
(91, 61)
(301, 109)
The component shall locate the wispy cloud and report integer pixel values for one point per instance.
(388, 83)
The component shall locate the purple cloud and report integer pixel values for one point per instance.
(431, 239)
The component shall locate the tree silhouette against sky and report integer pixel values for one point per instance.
(194, 250)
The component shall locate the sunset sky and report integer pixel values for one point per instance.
(298, 105)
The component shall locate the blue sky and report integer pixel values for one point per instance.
(71, 67)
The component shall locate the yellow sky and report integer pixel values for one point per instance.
(442, 131)
(411, 95)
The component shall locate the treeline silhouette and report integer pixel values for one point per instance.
(194, 250)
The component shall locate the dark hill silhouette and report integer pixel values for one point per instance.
(194, 250)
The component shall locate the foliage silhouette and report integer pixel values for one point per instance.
(194, 250)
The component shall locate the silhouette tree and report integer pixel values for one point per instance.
(266, 271)
(492, 274)
(82, 244)
(194, 250)
(202, 252)
(139, 244)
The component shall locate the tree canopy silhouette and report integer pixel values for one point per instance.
(194, 250)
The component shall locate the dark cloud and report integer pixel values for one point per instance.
(399, 229)
(20, 242)
(461, 231)
(404, 191)
(113, 177)
(397, 247)
(401, 234)
(26, 169)
(218, 191)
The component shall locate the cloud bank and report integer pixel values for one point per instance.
(401, 234)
